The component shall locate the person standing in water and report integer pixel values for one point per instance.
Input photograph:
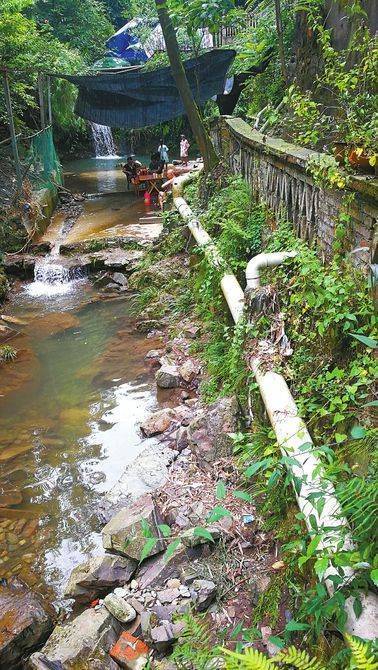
(184, 150)
(163, 152)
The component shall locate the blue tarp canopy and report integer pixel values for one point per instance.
(136, 98)
(123, 44)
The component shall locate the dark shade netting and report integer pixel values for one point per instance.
(136, 98)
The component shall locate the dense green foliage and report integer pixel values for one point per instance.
(24, 46)
(236, 224)
(346, 85)
(329, 319)
(251, 44)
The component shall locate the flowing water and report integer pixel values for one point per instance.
(103, 141)
(70, 407)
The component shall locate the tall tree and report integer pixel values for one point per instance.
(204, 142)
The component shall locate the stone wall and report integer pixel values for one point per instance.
(276, 171)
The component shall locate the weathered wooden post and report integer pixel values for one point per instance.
(12, 130)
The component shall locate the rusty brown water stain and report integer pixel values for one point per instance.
(112, 216)
(16, 374)
(54, 322)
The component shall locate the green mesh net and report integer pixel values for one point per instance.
(44, 166)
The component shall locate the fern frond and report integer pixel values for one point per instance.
(197, 629)
(250, 659)
(359, 500)
(362, 657)
(298, 659)
(193, 652)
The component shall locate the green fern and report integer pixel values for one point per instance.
(193, 651)
(362, 657)
(298, 659)
(250, 659)
(359, 499)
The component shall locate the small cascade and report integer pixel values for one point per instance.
(103, 141)
(52, 278)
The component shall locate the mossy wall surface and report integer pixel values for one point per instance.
(3, 285)
(277, 173)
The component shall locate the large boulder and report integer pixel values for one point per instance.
(190, 369)
(125, 532)
(20, 264)
(147, 472)
(161, 272)
(25, 622)
(115, 259)
(168, 377)
(98, 575)
(203, 592)
(209, 432)
(81, 643)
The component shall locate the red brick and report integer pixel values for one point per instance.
(129, 652)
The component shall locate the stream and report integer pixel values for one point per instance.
(70, 406)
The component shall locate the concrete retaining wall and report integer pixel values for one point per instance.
(276, 171)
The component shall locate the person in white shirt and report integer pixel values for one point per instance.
(184, 150)
(163, 152)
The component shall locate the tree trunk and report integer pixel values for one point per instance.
(204, 142)
(281, 48)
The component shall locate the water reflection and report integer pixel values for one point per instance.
(68, 427)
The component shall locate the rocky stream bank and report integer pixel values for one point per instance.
(169, 548)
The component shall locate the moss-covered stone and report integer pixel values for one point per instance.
(3, 285)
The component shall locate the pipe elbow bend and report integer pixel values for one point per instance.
(257, 263)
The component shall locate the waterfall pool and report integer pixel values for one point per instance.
(98, 175)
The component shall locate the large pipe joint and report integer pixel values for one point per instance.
(261, 261)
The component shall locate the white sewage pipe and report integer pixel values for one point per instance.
(290, 429)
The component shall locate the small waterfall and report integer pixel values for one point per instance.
(52, 278)
(103, 141)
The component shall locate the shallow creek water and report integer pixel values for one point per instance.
(70, 407)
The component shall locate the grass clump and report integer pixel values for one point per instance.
(7, 354)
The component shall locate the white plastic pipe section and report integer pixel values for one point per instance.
(230, 286)
(261, 261)
(290, 429)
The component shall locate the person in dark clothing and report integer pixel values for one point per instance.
(156, 164)
(130, 168)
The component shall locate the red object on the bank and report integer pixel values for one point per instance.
(147, 198)
(129, 652)
(94, 603)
